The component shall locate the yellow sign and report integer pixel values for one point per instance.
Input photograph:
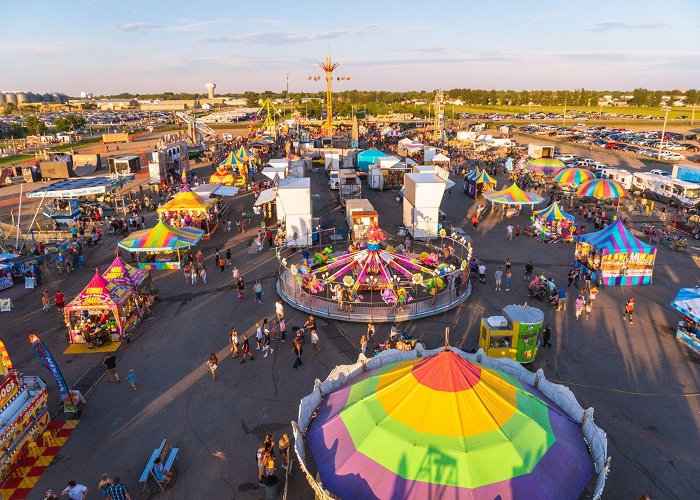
(115, 273)
(93, 291)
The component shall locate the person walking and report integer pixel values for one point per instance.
(279, 309)
(241, 289)
(213, 364)
(258, 292)
(59, 300)
(258, 336)
(45, 304)
(580, 303)
(203, 274)
(509, 279)
(283, 330)
(528, 271)
(228, 258)
(234, 274)
(517, 232)
(233, 337)
(629, 310)
(186, 273)
(222, 264)
(110, 362)
(117, 491)
(509, 232)
(131, 379)
(546, 336)
(499, 276)
(589, 308)
(363, 344)
(482, 273)
(75, 491)
(267, 349)
(284, 450)
(570, 277)
(297, 352)
(246, 348)
(104, 484)
(314, 342)
(475, 222)
(193, 274)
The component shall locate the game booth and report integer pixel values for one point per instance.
(189, 209)
(552, 224)
(513, 334)
(687, 302)
(513, 198)
(24, 415)
(102, 313)
(162, 246)
(616, 255)
(139, 280)
(477, 182)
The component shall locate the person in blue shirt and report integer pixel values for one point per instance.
(162, 475)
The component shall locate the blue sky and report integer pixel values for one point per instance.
(105, 46)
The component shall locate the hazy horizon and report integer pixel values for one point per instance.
(151, 47)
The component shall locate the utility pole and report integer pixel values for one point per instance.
(563, 123)
(286, 75)
(692, 117)
(663, 135)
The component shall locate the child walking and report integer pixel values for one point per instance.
(131, 378)
(213, 364)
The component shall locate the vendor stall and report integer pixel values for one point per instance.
(103, 312)
(237, 168)
(5, 276)
(222, 176)
(687, 302)
(139, 280)
(161, 247)
(187, 208)
(616, 256)
(24, 413)
(512, 335)
(512, 199)
(552, 223)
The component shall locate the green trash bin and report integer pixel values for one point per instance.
(271, 484)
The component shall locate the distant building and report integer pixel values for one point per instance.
(18, 97)
(175, 105)
(618, 102)
(86, 95)
(106, 104)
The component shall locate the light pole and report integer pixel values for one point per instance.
(692, 116)
(663, 135)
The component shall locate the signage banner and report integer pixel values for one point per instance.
(47, 360)
(24, 419)
(9, 389)
(5, 361)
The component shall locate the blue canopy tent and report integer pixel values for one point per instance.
(687, 302)
(367, 158)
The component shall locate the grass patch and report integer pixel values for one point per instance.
(632, 110)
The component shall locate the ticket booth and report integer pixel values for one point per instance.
(513, 334)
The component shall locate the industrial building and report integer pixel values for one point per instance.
(22, 97)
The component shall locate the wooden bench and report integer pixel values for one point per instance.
(167, 455)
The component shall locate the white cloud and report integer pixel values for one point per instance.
(603, 26)
(271, 38)
(180, 27)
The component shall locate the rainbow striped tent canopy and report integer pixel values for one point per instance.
(513, 195)
(162, 238)
(445, 427)
(615, 238)
(574, 176)
(553, 212)
(544, 165)
(602, 189)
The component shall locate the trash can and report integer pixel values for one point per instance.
(271, 484)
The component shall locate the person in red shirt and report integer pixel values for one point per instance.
(475, 222)
(60, 300)
(629, 309)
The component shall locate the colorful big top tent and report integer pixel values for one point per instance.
(444, 425)
(477, 182)
(544, 165)
(620, 257)
(553, 223)
(234, 164)
(574, 176)
(121, 273)
(513, 195)
(163, 245)
(222, 176)
(553, 212)
(186, 200)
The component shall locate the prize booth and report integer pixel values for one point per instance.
(513, 334)
(552, 223)
(162, 246)
(187, 208)
(616, 255)
(139, 280)
(477, 182)
(687, 302)
(513, 198)
(103, 312)
(24, 416)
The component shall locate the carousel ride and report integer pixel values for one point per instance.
(376, 279)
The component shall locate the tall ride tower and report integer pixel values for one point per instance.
(328, 67)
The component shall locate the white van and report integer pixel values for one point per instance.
(333, 180)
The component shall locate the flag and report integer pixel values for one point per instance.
(47, 360)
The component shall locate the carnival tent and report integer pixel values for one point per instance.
(553, 212)
(243, 154)
(163, 238)
(121, 273)
(440, 158)
(513, 195)
(544, 165)
(574, 176)
(186, 200)
(687, 302)
(483, 177)
(367, 158)
(232, 161)
(477, 182)
(221, 176)
(444, 426)
(622, 258)
(602, 189)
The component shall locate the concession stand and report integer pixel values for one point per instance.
(103, 312)
(616, 255)
(139, 280)
(187, 208)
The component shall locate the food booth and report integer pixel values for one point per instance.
(139, 280)
(552, 223)
(103, 312)
(477, 182)
(619, 257)
(514, 334)
(24, 413)
(513, 198)
(687, 302)
(162, 246)
(187, 208)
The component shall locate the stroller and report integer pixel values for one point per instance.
(537, 289)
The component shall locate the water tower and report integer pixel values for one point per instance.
(210, 89)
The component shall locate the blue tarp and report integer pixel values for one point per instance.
(688, 302)
(367, 158)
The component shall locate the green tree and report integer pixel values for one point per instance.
(69, 122)
(10, 109)
(34, 125)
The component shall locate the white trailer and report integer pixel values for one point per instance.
(421, 204)
(620, 175)
(540, 151)
(294, 209)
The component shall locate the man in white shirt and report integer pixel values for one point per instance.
(279, 309)
(509, 232)
(75, 491)
(482, 273)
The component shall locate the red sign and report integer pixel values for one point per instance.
(8, 389)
